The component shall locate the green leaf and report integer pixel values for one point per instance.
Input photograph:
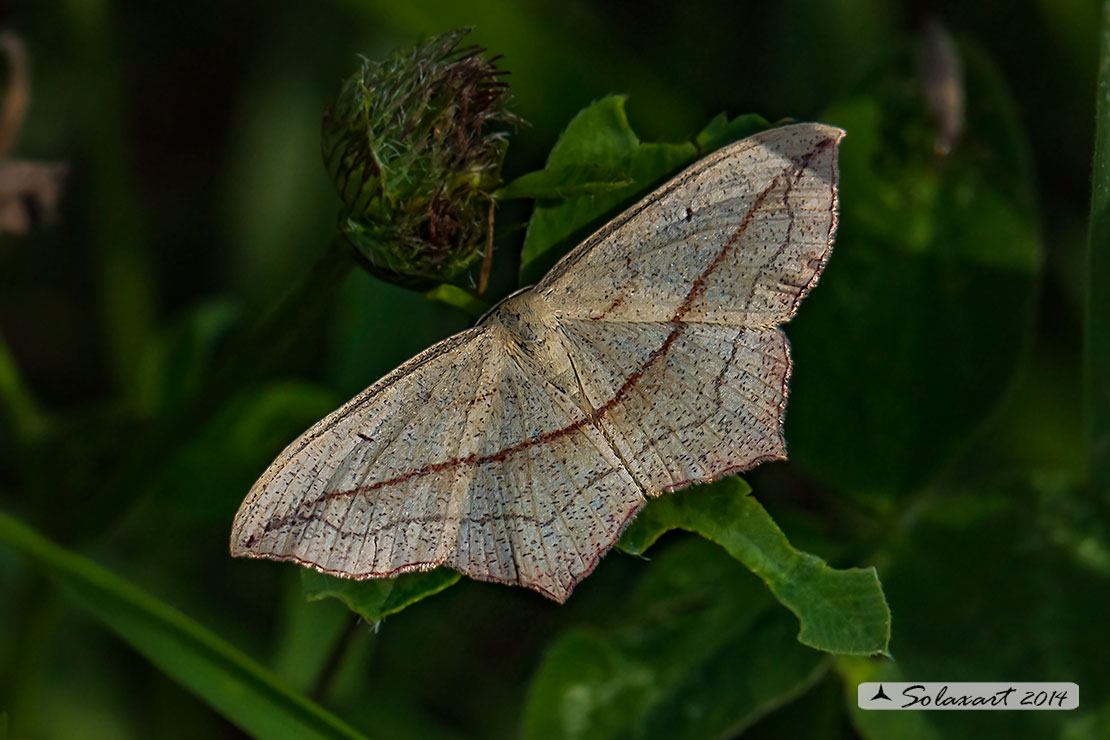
(697, 651)
(597, 164)
(561, 183)
(377, 598)
(1097, 350)
(985, 586)
(231, 683)
(924, 314)
(840, 611)
(598, 137)
(721, 132)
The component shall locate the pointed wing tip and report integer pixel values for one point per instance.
(240, 546)
(832, 132)
(560, 597)
(555, 590)
(245, 536)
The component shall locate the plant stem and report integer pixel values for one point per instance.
(1097, 339)
(338, 652)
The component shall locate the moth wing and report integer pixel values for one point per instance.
(683, 403)
(304, 507)
(738, 238)
(470, 455)
(548, 495)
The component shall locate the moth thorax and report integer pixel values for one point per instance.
(524, 326)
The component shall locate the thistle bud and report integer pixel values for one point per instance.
(414, 148)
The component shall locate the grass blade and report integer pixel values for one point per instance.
(230, 682)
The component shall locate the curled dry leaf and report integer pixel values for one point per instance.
(29, 191)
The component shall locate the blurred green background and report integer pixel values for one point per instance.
(935, 420)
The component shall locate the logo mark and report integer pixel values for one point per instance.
(880, 694)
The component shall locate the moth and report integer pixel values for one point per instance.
(647, 360)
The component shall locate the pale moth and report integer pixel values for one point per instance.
(647, 360)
